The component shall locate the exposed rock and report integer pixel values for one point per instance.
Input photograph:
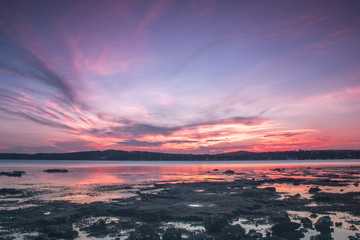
(322, 236)
(56, 170)
(271, 189)
(272, 238)
(314, 190)
(313, 215)
(323, 224)
(292, 235)
(59, 217)
(284, 227)
(9, 191)
(172, 234)
(253, 234)
(352, 228)
(215, 224)
(233, 232)
(201, 236)
(99, 225)
(144, 232)
(64, 231)
(280, 217)
(12, 174)
(229, 172)
(338, 224)
(287, 230)
(306, 222)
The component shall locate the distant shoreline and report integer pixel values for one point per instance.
(117, 155)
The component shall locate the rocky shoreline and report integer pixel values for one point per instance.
(194, 210)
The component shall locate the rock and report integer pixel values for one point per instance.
(144, 232)
(56, 170)
(323, 224)
(280, 217)
(12, 174)
(352, 238)
(293, 235)
(253, 234)
(201, 236)
(356, 184)
(314, 190)
(270, 189)
(229, 172)
(281, 228)
(338, 224)
(172, 234)
(322, 236)
(279, 169)
(233, 232)
(352, 228)
(313, 215)
(9, 191)
(298, 195)
(59, 217)
(98, 226)
(216, 170)
(215, 224)
(306, 222)
(64, 231)
(272, 238)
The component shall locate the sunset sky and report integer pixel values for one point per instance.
(179, 76)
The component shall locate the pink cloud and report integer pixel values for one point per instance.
(293, 28)
(154, 13)
(322, 44)
(339, 33)
(204, 7)
(278, 34)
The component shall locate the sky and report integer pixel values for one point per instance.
(179, 76)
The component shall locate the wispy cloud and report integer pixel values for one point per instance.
(154, 12)
(287, 135)
(204, 7)
(29, 65)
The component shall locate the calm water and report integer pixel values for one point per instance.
(138, 172)
(78, 185)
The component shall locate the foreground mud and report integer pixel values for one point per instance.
(304, 203)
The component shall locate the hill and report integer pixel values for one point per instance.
(152, 156)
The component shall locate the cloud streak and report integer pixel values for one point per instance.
(30, 66)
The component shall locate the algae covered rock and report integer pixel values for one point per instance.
(215, 224)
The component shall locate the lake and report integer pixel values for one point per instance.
(84, 175)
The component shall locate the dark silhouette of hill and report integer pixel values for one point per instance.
(152, 156)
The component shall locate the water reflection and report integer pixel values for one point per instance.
(78, 185)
